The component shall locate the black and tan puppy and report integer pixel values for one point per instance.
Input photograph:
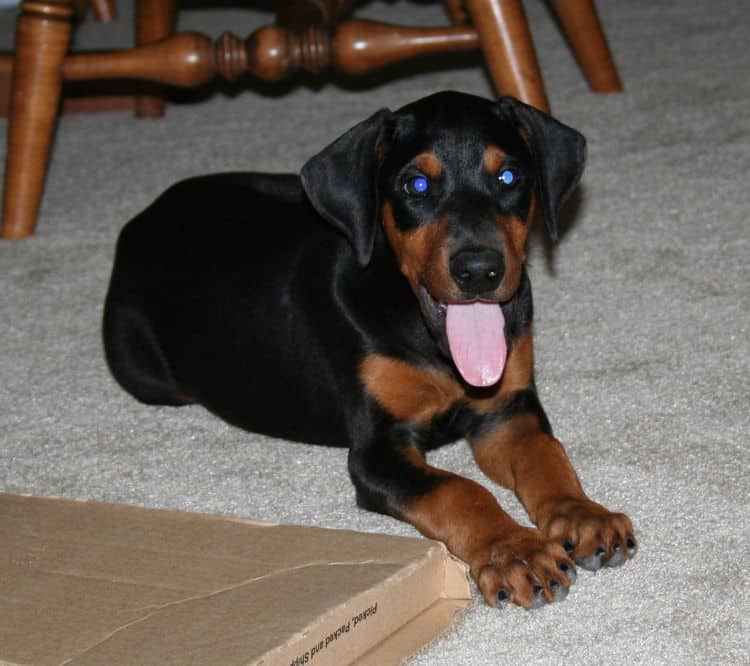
(379, 302)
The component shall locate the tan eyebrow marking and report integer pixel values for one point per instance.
(493, 158)
(429, 164)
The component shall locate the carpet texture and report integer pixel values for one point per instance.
(642, 314)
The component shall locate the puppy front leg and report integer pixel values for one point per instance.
(520, 453)
(507, 561)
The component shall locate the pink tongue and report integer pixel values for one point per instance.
(476, 337)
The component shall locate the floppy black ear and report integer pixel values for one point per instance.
(559, 154)
(341, 184)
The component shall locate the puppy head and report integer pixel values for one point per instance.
(452, 180)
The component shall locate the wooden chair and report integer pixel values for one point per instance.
(313, 35)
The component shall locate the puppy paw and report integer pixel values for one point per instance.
(591, 535)
(525, 568)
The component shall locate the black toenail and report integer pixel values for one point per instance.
(630, 542)
(599, 552)
(554, 584)
(563, 567)
(502, 595)
(617, 548)
(568, 545)
(537, 589)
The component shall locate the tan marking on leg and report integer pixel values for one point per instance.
(493, 451)
(461, 513)
(519, 456)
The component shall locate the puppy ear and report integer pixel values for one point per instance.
(341, 184)
(559, 154)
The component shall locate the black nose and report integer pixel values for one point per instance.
(477, 270)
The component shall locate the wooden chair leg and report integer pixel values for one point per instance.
(43, 36)
(505, 40)
(154, 20)
(584, 31)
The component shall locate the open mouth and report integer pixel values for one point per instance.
(473, 334)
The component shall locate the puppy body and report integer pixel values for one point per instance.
(319, 309)
(219, 297)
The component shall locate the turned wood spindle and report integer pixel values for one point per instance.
(357, 46)
(270, 53)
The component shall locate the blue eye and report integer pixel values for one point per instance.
(507, 177)
(418, 185)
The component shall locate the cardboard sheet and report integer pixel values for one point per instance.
(91, 583)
